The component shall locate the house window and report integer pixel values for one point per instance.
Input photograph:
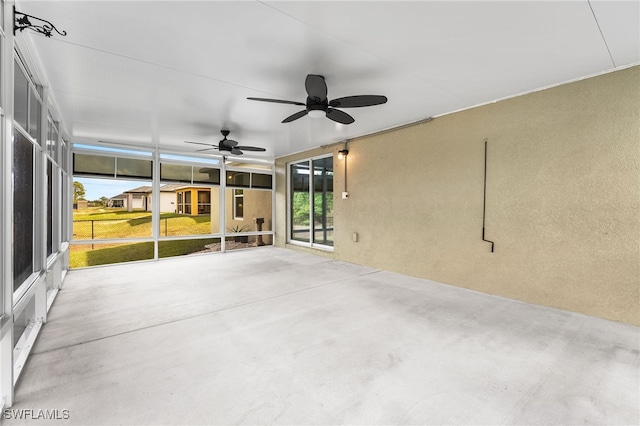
(187, 202)
(238, 204)
(204, 202)
(311, 201)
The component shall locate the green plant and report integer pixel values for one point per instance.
(238, 228)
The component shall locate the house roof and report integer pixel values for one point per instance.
(139, 190)
(146, 189)
(171, 187)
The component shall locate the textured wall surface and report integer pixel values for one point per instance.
(562, 205)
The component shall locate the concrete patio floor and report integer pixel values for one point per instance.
(275, 336)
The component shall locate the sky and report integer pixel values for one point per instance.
(96, 188)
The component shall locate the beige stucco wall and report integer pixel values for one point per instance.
(563, 198)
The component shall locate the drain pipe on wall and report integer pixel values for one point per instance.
(484, 200)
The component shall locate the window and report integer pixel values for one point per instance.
(117, 167)
(86, 164)
(259, 180)
(175, 173)
(132, 168)
(189, 174)
(49, 208)
(249, 180)
(204, 202)
(187, 202)
(311, 201)
(23, 207)
(20, 97)
(238, 204)
(35, 109)
(26, 102)
(242, 179)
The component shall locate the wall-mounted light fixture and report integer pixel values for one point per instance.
(342, 155)
(22, 22)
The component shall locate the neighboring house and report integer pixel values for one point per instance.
(137, 198)
(141, 199)
(119, 200)
(133, 199)
(243, 205)
(167, 197)
(193, 200)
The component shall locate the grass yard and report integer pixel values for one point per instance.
(103, 223)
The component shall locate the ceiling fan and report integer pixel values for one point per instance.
(227, 145)
(318, 105)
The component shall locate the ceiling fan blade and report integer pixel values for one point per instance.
(200, 143)
(229, 142)
(358, 101)
(295, 116)
(206, 149)
(236, 151)
(250, 148)
(339, 116)
(277, 101)
(316, 87)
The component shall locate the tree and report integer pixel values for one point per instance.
(78, 191)
(104, 201)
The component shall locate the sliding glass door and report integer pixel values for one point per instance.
(311, 202)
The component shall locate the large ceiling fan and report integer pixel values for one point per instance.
(227, 145)
(318, 105)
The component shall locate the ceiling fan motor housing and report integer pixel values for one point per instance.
(314, 104)
(317, 108)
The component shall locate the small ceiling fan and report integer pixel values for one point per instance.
(227, 145)
(318, 105)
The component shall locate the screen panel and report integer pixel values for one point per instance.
(87, 164)
(23, 207)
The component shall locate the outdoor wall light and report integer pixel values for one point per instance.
(342, 153)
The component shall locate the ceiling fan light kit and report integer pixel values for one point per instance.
(317, 104)
(317, 113)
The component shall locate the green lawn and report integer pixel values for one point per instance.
(102, 223)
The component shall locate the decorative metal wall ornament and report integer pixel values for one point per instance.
(21, 22)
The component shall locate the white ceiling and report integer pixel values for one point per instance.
(162, 72)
